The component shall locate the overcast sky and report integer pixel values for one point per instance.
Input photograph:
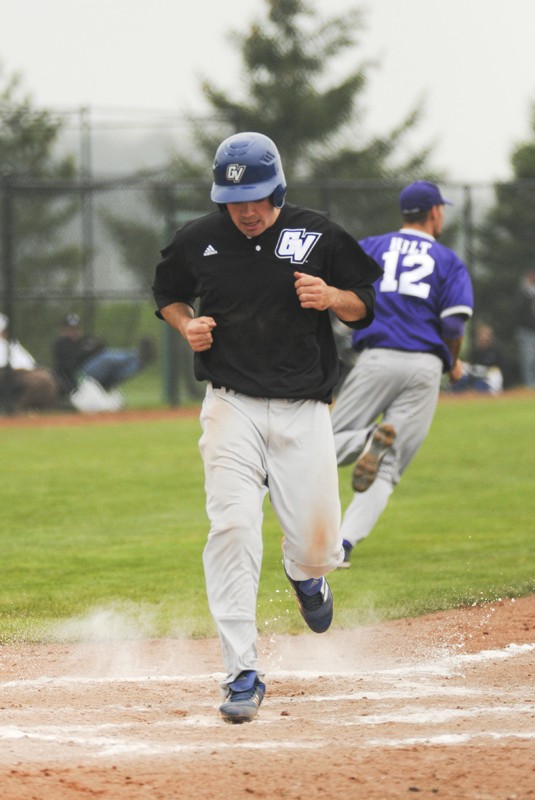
(471, 62)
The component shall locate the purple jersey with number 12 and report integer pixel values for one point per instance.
(423, 282)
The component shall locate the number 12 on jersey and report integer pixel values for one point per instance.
(405, 273)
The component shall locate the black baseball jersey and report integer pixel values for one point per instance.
(265, 344)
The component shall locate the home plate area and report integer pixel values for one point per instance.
(438, 706)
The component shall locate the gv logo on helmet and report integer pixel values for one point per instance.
(235, 172)
(296, 244)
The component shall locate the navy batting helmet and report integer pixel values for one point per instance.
(247, 166)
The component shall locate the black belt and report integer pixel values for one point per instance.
(220, 386)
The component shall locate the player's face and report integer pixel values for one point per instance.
(254, 217)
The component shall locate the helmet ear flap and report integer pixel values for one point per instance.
(277, 198)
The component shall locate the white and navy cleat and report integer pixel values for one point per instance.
(315, 601)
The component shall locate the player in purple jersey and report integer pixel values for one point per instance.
(423, 299)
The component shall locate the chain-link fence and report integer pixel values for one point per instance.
(89, 248)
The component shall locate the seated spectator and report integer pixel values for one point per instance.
(77, 356)
(24, 384)
(484, 369)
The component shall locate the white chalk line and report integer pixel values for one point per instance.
(111, 739)
(101, 746)
(417, 715)
(407, 693)
(451, 739)
(449, 665)
(436, 716)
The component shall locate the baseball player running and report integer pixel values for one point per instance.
(267, 274)
(424, 298)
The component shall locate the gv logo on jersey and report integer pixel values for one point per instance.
(235, 172)
(296, 244)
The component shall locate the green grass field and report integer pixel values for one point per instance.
(103, 526)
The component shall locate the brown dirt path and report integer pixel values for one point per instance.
(442, 706)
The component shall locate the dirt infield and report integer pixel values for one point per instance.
(441, 706)
(61, 419)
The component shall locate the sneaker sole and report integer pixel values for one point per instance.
(236, 716)
(369, 461)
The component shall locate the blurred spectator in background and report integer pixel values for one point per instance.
(485, 365)
(24, 384)
(525, 326)
(89, 371)
(77, 355)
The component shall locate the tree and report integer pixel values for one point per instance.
(316, 122)
(286, 93)
(36, 257)
(506, 246)
(27, 136)
(286, 61)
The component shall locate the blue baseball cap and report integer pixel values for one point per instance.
(420, 196)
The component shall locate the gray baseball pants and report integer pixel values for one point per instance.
(250, 447)
(401, 387)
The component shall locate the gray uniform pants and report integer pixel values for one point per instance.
(251, 446)
(404, 388)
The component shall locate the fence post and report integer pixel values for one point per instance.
(468, 231)
(468, 225)
(170, 371)
(170, 366)
(87, 217)
(9, 283)
(7, 247)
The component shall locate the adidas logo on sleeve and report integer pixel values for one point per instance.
(210, 251)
